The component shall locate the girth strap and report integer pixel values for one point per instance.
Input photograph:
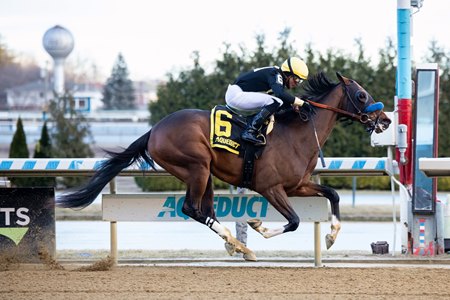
(248, 166)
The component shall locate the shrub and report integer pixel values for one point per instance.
(19, 149)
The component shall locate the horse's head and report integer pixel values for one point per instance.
(361, 104)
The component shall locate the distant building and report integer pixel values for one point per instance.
(145, 92)
(88, 97)
(28, 96)
(33, 96)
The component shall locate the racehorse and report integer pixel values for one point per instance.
(180, 143)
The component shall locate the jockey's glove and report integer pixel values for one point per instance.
(306, 107)
(298, 102)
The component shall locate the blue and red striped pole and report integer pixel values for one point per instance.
(404, 83)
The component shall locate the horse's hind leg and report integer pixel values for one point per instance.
(198, 205)
(208, 210)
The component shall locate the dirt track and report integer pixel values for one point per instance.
(225, 283)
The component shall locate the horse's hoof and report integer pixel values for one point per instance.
(329, 241)
(250, 256)
(254, 223)
(231, 249)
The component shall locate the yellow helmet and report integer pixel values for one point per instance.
(295, 66)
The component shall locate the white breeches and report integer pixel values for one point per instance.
(235, 97)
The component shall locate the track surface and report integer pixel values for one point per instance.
(156, 282)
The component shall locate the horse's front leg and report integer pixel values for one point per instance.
(314, 189)
(279, 200)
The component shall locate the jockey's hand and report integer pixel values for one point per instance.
(298, 102)
(305, 106)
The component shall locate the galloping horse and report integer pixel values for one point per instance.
(180, 143)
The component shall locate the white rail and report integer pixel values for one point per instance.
(434, 167)
(17, 167)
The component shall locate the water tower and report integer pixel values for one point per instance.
(58, 42)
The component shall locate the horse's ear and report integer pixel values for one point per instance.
(343, 79)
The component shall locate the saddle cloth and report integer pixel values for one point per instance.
(226, 129)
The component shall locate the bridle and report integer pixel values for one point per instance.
(360, 116)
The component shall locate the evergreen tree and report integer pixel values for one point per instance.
(285, 49)
(118, 92)
(437, 54)
(43, 149)
(19, 149)
(227, 68)
(192, 89)
(385, 75)
(44, 146)
(71, 135)
(261, 57)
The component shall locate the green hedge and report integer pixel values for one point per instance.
(362, 183)
(444, 184)
(158, 184)
(373, 183)
(169, 183)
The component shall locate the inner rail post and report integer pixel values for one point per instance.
(317, 244)
(113, 227)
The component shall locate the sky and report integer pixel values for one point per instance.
(157, 37)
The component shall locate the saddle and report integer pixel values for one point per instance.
(226, 128)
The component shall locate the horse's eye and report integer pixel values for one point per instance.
(361, 96)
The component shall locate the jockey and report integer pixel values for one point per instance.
(263, 89)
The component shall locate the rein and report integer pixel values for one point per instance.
(363, 118)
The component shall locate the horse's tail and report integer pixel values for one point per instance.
(136, 152)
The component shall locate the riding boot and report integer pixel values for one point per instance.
(252, 133)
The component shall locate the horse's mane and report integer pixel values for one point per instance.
(314, 88)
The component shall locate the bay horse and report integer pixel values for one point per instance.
(180, 143)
